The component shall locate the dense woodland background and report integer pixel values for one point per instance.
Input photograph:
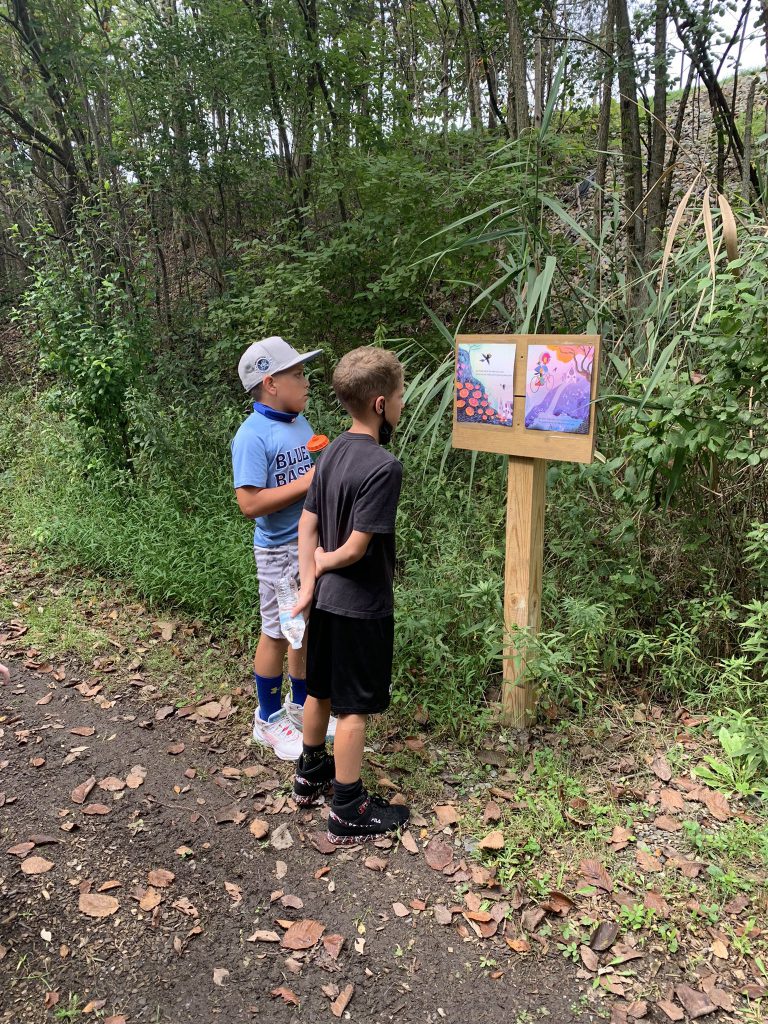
(179, 180)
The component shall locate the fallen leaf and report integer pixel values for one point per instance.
(660, 768)
(493, 841)
(263, 936)
(604, 936)
(220, 975)
(95, 905)
(717, 805)
(446, 814)
(51, 999)
(112, 784)
(302, 934)
(558, 903)
(281, 838)
(589, 958)
(96, 809)
(400, 910)
(108, 886)
(671, 800)
(696, 1004)
(231, 815)
(93, 1005)
(532, 918)
(595, 874)
(438, 854)
(719, 949)
(376, 863)
(211, 710)
(654, 901)
(442, 914)
(160, 878)
(281, 868)
(338, 1006)
(492, 812)
(333, 945)
(668, 1007)
(409, 843)
(235, 892)
(258, 828)
(647, 862)
(83, 730)
(79, 793)
(20, 849)
(46, 699)
(518, 945)
(667, 824)
(176, 748)
(151, 899)
(36, 865)
(286, 994)
(292, 902)
(117, 1019)
(321, 843)
(620, 838)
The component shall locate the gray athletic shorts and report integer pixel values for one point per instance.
(271, 565)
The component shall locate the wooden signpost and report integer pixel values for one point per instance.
(530, 397)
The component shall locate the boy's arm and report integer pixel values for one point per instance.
(351, 551)
(255, 502)
(308, 536)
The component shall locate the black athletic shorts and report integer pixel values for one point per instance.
(350, 661)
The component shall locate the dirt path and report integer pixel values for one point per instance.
(219, 886)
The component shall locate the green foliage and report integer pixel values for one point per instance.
(92, 330)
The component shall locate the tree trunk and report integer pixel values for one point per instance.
(604, 124)
(518, 117)
(655, 214)
(630, 137)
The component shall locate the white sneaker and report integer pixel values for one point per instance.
(280, 733)
(295, 713)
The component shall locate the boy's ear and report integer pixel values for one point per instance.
(268, 384)
(379, 405)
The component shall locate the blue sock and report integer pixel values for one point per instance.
(269, 690)
(298, 690)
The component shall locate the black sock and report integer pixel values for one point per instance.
(313, 755)
(346, 792)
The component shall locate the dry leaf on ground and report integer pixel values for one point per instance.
(493, 841)
(595, 874)
(338, 1006)
(446, 814)
(286, 994)
(36, 865)
(438, 854)
(160, 878)
(303, 934)
(95, 905)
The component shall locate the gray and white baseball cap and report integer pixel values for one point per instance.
(266, 358)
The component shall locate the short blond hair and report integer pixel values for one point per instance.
(365, 373)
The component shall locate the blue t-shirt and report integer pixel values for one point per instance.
(268, 451)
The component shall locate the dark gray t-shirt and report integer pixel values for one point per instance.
(356, 487)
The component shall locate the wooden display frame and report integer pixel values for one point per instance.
(517, 439)
(527, 452)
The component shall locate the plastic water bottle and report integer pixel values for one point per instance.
(287, 597)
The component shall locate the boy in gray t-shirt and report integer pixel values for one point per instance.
(346, 564)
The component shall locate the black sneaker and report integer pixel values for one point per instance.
(310, 784)
(363, 819)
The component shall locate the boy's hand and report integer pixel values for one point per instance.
(321, 560)
(305, 600)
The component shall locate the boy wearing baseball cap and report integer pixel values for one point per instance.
(272, 472)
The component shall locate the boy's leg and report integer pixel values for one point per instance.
(314, 771)
(348, 748)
